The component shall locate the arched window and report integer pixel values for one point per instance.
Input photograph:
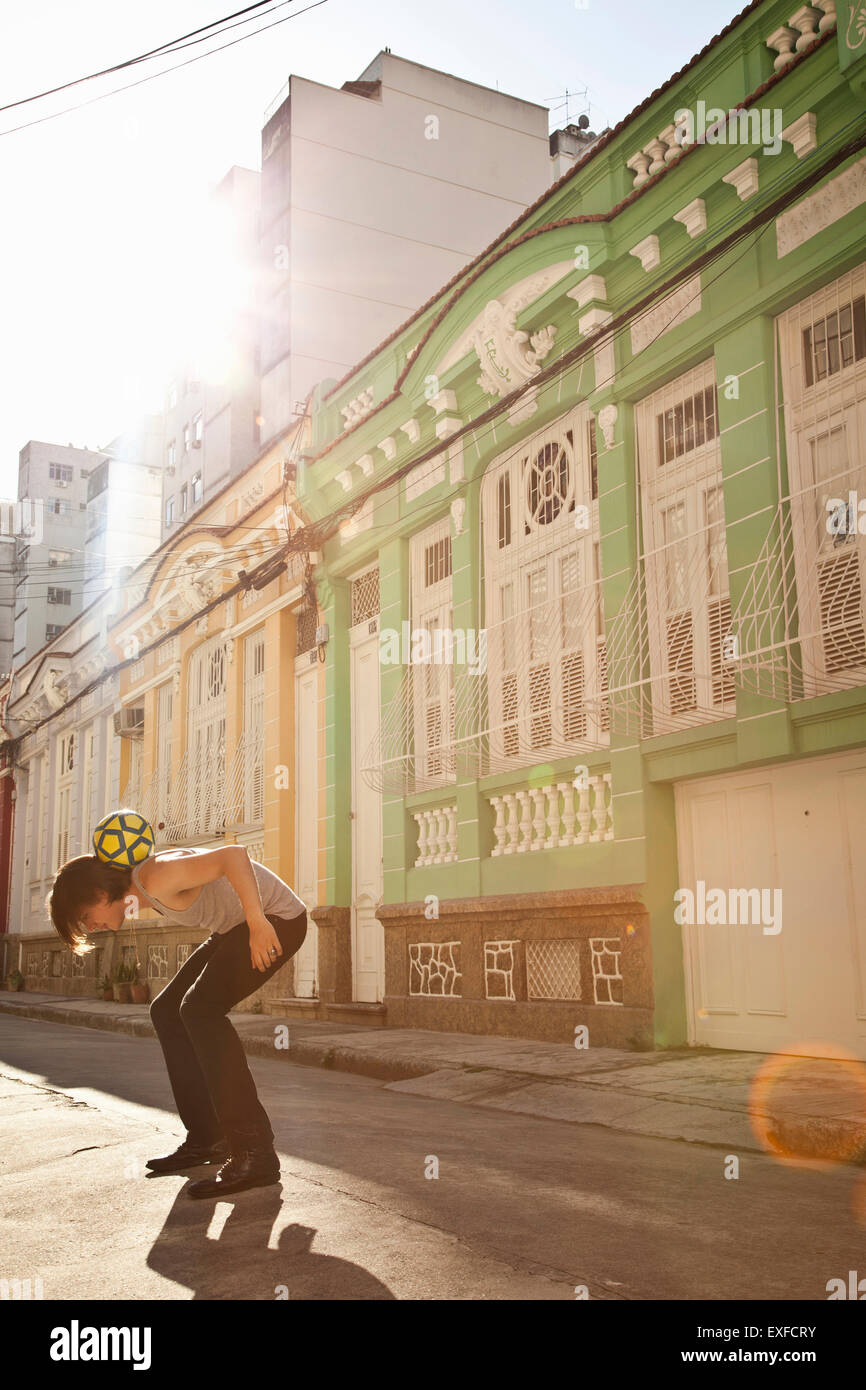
(546, 690)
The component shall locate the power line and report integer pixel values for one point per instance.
(26, 125)
(142, 57)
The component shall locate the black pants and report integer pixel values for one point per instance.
(213, 1088)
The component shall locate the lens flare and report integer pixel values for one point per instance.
(808, 1107)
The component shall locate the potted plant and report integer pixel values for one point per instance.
(105, 987)
(121, 986)
(15, 980)
(139, 989)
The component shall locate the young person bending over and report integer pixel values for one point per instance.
(257, 924)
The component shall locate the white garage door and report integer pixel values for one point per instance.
(800, 828)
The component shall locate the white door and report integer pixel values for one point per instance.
(368, 937)
(307, 817)
(800, 828)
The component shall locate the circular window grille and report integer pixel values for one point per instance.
(216, 672)
(548, 484)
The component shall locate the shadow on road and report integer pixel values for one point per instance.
(237, 1263)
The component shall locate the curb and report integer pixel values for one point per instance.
(804, 1138)
(304, 1052)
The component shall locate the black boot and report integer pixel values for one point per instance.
(190, 1156)
(247, 1168)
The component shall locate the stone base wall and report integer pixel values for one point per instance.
(49, 967)
(524, 966)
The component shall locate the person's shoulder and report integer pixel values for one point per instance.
(150, 866)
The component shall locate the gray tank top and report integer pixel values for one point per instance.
(218, 905)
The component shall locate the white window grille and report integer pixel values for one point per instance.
(37, 866)
(801, 621)
(365, 596)
(246, 794)
(88, 745)
(200, 787)
(65, 773)
(544, 617)
(668, 649)
(553, 969)
(531, 685)
(156, 800)
(433, 683)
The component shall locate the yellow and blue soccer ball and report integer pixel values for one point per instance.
(124, 838)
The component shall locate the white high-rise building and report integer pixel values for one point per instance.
(373, 196)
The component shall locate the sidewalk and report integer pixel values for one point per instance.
(818, 1109)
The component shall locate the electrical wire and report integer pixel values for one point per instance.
(142, 57)
(26, 125)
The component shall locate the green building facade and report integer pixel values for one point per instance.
(617, 465)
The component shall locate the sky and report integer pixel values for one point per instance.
(103, 249)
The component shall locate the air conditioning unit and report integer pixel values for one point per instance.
(196, 443)
(61, 482)
(129, 721)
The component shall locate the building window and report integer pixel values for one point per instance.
(169, 511)
(546, 691)
(59, 506)
(171, 455)
(53, 630)
(364, 594)
(184, 499)
(59, 595)
(60, 472)
(433, 679)
(685, 555)
(65, 771)
(824, 411)
(687, 425)
(197, 429)
(205, 781)
(835, 341)
(196, 488)
(186, 439)
(98, 481)
(503, 509)
(437, 561)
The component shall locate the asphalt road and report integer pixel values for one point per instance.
(521, 1208)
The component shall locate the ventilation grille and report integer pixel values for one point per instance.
(365, 597)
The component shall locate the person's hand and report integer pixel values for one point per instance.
(265, 948)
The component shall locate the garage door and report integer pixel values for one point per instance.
(800, 828)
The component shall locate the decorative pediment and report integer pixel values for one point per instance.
(193, 577)
(509, 356)
(512, 300)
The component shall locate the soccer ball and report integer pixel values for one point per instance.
(124, 838)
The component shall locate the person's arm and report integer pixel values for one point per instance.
(232, 862)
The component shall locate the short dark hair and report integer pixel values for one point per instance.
(77, 886)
